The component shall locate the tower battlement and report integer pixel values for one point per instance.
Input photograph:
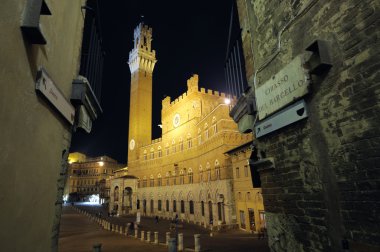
(142, 57)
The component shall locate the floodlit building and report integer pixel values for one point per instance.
(88, 177)
(186, 171)
(250, 211)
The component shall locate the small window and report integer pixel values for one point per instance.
(191, 206)
(159, 205)
(167, 205)
(217, 172)
(248, 195)
(203, 208)
(246, 170)
(182, 206)
(174, 206)
(237, 172)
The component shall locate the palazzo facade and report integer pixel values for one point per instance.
(186, 171)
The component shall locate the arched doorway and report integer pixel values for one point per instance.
(211, 218)
(144, 206)
(128, 199)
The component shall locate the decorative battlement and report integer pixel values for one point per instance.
(192, 83)
(192, 86)
(142, 57)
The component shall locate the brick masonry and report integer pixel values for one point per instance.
(324, 187)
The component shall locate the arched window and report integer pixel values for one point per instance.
(138, 204)
(151, 205)
(200, 174)
(203, 208)
(217, 170)
(159, 205)
(214, 125)
(167, 205)
(167, 149)
(145, 155)
(159, 179)
(151, 153)
(181, 177)
(167, 179)
(159, 151)
(208, 172)
(151, 184)
(173, 146)
(181, 144)
(189, 141)
(206, 131)
(190, 175)
(145, 184)
(116, 194)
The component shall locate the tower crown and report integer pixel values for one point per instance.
(142, 57)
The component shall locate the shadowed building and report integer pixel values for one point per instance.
(313, 104)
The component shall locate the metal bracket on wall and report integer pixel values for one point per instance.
(320, 61)
(264, 164)
(30, 26)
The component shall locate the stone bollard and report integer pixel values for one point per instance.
(142, 235)
(156, 238)
(180, 242)
(172, 245)
(148, 236)
(136, 234)
(97, 248)
(197, 242)
(167, 238)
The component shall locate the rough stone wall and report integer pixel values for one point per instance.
(34, 137)
(324, 187)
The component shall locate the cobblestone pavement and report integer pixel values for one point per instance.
(227, 241)
(78, 233)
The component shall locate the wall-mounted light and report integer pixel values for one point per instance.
(227, 101)
(101, 163)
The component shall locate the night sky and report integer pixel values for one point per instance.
(190, 37)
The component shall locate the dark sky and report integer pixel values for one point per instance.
(188, 36)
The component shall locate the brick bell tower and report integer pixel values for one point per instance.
(141, 63)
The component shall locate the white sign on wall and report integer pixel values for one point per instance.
(46, 86)
(284, 87)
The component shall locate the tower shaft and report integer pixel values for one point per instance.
(141, 62)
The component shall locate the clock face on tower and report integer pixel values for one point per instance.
(176, 120)
(132, 144)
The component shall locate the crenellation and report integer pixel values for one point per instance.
(203, 90)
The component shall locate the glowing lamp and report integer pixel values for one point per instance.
(227, 101)
(101, 163)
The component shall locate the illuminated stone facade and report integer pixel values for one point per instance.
(184, 172)
(247, 190)
(88, 176)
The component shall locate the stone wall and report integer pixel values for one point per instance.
(34, 136)
(323, 188)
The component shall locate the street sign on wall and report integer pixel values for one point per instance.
(50, 91)
(284, 87)
(289, 115)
